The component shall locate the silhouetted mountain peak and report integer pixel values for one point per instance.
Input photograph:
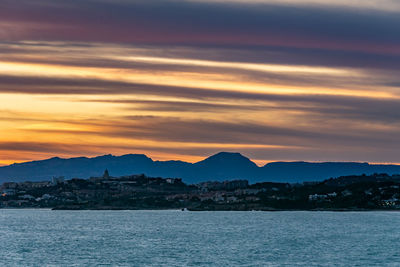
(233, 159)
(221, 166)
(54, 159)
(135, 156)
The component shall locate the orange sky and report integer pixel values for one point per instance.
(84, 91)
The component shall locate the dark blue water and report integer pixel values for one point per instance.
(175, 238)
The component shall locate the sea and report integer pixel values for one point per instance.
(183, 238)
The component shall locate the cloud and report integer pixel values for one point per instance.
(263, 140)
(297, 80)
(97, 54)
(96, 68)
(382, 110)
(205, 23)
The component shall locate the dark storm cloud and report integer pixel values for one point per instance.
(181, 22)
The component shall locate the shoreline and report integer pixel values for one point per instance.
(233, 210)
(203, 210)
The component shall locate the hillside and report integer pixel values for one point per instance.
(218, 167)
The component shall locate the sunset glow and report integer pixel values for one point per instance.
(109, 83)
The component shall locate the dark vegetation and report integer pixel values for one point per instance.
(373, 192)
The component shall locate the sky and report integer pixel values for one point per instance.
(291, 80)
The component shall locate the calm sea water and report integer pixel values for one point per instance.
(176, 238)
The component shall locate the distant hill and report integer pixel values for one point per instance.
(221, 166)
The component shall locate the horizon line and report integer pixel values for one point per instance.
(259, 163)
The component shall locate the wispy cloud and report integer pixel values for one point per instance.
(278, 80)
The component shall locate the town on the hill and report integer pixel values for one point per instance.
(373, 192)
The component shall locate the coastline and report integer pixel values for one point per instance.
(223, 210)
(199, 210)
(139, 192)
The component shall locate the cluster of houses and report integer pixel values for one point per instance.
(387, 197)
(140, 191)
(61, 192)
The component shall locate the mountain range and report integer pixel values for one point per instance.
(219, 167)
